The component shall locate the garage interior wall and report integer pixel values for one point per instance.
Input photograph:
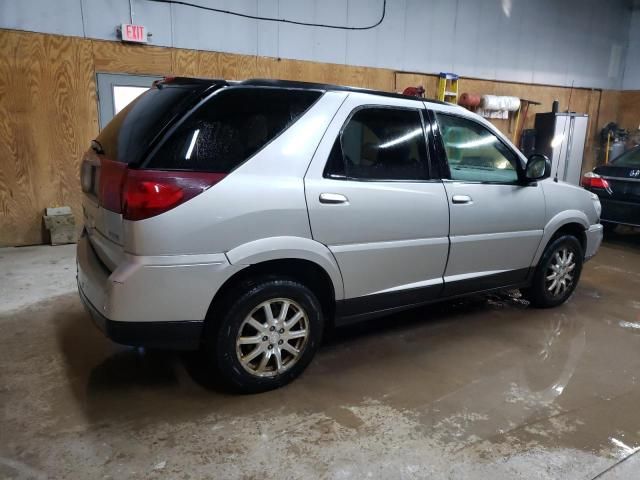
(48, 103)
(530, 41)
(629, 114)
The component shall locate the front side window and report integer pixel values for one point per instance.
(231, 127)
(474, 153)
(380, 144)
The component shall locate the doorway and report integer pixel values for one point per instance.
(116, 91)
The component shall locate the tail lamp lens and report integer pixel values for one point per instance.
(144, 198)
(140, 194)
(593, 180)
(147, 193)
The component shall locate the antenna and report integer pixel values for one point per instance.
(564, 131)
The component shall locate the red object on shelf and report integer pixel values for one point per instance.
(469, 100)
(414, 91)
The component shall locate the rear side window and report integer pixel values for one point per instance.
(630, 159)
(230, 128)
(380, 144)
(129, 134)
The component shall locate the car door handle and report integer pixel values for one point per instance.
(333, 198)
(461, 199)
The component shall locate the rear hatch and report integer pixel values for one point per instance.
(109, 166)
(168, 147)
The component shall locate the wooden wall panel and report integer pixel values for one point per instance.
(609, 108)
(228, 66)
(47, 117)
(117, 57)
(629, 110)
(364, 77)
(184, 62)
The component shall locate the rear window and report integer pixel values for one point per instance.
(630, 159)
(230, 128)
(128, 136)
(380, 144)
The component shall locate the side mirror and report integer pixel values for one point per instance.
(538, 168)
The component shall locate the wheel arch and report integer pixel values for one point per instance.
(571, 222)
(308, 273)
(305, 260)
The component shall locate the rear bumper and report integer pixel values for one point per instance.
(594, 239)
(624, 213)
(175, 335)
(158, 302)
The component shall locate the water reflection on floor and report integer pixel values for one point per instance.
(484, 387)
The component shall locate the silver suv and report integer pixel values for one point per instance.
(247, 217)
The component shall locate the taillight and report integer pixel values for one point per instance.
(147, 193)
(112, 175)
(593, 180)
(140, 194)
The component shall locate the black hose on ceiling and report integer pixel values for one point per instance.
(279, 20)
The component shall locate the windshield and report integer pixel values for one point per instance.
(630, 159)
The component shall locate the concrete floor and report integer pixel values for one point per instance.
(481, 388)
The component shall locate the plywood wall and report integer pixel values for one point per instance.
(47, 115)
(49, 112)
(629, 110)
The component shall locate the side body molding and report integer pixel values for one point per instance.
(279, 248)
(559, 220)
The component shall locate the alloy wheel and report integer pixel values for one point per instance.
(272, 338)
(560, 273)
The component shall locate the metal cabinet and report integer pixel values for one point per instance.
(561, 137)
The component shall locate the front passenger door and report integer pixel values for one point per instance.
(496, 222)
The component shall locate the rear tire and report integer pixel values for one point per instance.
(254, 351)
(557, 273)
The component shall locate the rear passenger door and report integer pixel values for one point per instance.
(497, 221)
(374, 203)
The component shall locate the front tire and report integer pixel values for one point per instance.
(557, 273)
(268, 336)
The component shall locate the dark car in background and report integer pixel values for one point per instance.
(618, 186)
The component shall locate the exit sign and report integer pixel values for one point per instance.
(133, 33)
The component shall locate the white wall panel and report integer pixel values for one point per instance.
(203, 30)
(268, 31)
(101, 19)
(440, 30)
(632, 64)
(541, 41)
(362, 46)
(295, 41)
(330, 45)
(63, 16)
(417, 50)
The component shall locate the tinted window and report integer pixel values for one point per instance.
(231, 127)
(129, 134)
(474, 153)
(630, 159)
(380, 144)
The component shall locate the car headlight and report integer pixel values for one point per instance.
(596, 204)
